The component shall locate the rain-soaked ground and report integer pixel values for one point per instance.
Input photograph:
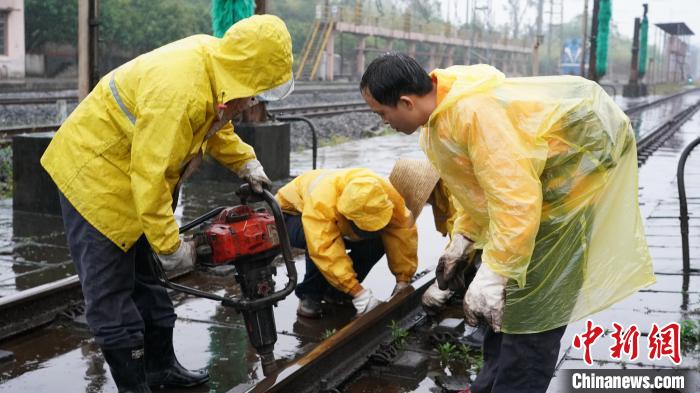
(63, 356)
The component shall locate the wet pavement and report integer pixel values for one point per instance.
(33, 252)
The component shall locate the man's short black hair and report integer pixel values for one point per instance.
(392, 75)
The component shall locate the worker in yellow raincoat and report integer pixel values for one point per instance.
(118, 161)
(545, 170)
(330, 211)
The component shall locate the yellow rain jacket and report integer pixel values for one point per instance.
(325, 210)
(119, 155)
(545, 170)
(445, 209)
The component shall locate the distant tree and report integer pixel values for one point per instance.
(141, 25)
(133, 26)
(516, 10)
(50, 21)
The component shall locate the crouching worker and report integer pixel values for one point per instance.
(330, 211)
(119, 160)
(545, 171)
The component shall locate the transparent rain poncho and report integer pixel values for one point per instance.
(545, 170)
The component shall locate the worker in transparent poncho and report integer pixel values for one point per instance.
(545, 170)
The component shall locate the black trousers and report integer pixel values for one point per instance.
(364, 255)
(121, 291)
(518, 363)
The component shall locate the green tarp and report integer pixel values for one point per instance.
(225, 13)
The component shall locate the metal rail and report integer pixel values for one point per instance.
(338, 357)
(299, 90)
(646, 105)
(322, 109)
(37, 100)
(653, 140)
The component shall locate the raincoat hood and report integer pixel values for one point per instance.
(255, 55)
(365, 203)
(458, 81)
(328, 200)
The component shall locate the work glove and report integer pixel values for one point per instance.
(182, 258)
(399, 286)
(434, 298)
(365, 301)
(252, 173)
(456, 254)
(485, 298)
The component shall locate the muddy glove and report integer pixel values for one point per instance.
(434, 298)
(456, 254)
(365, 301)
(399, 286)
(252, 172)
(182, 258)
(485, 298)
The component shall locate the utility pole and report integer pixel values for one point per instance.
(261, 7)
(538, 41)
(88, 50)
(592, 74)
(585, 38)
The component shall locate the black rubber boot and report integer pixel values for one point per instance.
(127, 367)
(162, 368)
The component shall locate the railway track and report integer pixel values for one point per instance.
(300, 89)
(334, 359)
(319, 110)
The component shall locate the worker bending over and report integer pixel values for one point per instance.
(545, 171)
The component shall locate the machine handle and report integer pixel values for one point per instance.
(245, 193)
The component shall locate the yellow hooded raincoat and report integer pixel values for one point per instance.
(545, 171)
(119, 155)
(327, 199)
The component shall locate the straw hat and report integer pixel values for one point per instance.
(414, 180)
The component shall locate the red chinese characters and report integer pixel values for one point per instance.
(662, 341)
(587, 339)
(627, 343)
(665, 342)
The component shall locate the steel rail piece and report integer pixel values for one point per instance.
(335, 359)
(41, 305)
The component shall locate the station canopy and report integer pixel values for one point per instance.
(676, 28)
